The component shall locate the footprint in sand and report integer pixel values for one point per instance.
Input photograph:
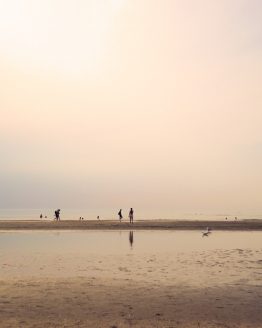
(123, 269)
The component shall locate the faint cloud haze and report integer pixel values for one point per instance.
(150, 104)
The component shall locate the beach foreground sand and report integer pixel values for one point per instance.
(116, 225)
(83, 302)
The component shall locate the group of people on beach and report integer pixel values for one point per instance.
(130, 215)
(235, 218)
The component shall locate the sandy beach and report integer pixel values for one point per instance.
(82, 302)
(116, 225)
(156, 282)
(131, 155)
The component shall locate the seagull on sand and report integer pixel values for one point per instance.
(206, 233)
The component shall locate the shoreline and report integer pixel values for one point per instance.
(244, 225)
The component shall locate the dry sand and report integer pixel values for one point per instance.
(116, 225)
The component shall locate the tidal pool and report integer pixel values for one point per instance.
(166, 257)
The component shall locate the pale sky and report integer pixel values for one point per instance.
(118, 103)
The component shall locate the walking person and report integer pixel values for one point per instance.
(57, 215)
(120, 215)
(131, 215)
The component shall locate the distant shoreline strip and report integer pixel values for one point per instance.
(244, 225)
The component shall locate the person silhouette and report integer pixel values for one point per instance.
(120, 215)
(131, 215)
(57, 215)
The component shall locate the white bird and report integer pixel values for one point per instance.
(206, 233)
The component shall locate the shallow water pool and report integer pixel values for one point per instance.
(166, 257)
(111, 242)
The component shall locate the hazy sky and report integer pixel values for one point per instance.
(144, 103)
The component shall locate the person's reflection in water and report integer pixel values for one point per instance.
(131, 238)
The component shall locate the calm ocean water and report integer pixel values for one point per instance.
(111, 214)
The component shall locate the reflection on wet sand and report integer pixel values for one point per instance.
(131, 238)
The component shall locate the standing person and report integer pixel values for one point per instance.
(131, 215)
(41, 216)
(120, 215)
(57, 215)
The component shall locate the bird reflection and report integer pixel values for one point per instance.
(131, 238)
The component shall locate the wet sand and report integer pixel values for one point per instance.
(67, 287)
(83, 302)
(116, 225)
